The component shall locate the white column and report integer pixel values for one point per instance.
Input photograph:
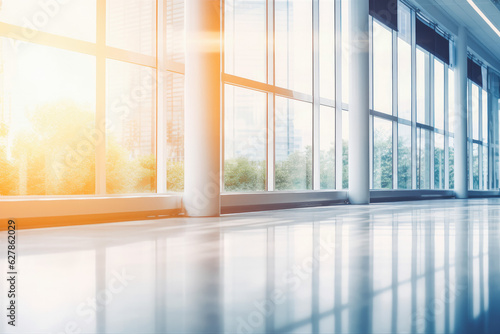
(461, 189)
(359, 112)
(202, 108)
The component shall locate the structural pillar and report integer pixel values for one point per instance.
(461, 186)
(359, 107)
(202, 108)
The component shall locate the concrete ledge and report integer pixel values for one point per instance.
(61, 221)
(377, 196)
(264, 201)
(483, 193)
(34, 210)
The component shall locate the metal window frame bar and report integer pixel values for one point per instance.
(265, 88)
(385, 116)
(89, 48)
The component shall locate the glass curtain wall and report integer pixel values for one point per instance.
(404, 99)
(412, 131)
(85, 109)
(287, 89)
(279, 95)
(382, 93)
(478, 138)
(99, 109)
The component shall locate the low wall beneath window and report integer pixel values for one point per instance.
(67, 211)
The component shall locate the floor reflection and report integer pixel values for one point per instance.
(414, 267)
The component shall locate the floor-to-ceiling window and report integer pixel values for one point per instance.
(114, 87)
(479, 118)
(412, 91)
(382, 100)
(439, 118)
(302, 143)
(450, 129)
(493, 105)
(280, 95)
(410, 100)
(91, 97)
(404, 98)
(423, 119)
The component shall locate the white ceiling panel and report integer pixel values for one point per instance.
(452, 13)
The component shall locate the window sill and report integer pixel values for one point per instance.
(75, 208)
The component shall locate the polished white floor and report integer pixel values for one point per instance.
(407, 267)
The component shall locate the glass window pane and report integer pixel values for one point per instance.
(404, 79)
(423, 114)
(382, 154)
(131, 25)
(293, 44)
(404, 156)
(174, 105)
(345, 50)
(475, 166)
(451, 100)
(245, 39)
(293, 145)
(47, 116)
(175, 35)
(245, 120)
(345, 149)
(469, 169)
(131, 129)
(485, 168)
(438, 161)
(75, 18)
(423, 158)
(327, 147)
(475, 111)
(438, 94)
(452, 162)
(382, 68)
(496, 156)
(327, 48)
(404, 23)
(485, 116)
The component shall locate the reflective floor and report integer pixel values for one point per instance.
(408, 267)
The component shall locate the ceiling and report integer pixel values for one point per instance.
(452, 13)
